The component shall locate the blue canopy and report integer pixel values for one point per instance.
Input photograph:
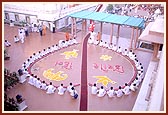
(109, 18)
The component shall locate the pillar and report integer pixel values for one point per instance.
(75, 27)
(111, 34)
(136, 39)
(132, 36)
(118, 33)
(85, 25)
(101, 28)
(72, 27)
(155, 52)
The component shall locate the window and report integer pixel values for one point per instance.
(27, 19)
(6, 16)
(16, 17)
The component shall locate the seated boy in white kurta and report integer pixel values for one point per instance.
(50, 89)
(101, 92)
(94, 89)
(111, 92)
(61, 90)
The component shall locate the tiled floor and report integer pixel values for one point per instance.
(38, 100)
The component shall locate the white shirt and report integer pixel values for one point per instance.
(125, 52)
(16, 39)
(38, 84)
(119, 50)
(90, 41)
(61, 90)
(34, 81)
(96, 42)
(73, 92)
(43, 86)
(110, 47)
(69, 88)
(105, 45)
(114, 48)
(126, 90)
(31, 80)
(101, 44)
(110, 93)
(50, 89)
(94, 90)
(133, 88)
(74, 41)
(137, 82)
(119, 93)
(101, 93)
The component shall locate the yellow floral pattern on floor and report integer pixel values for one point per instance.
(104, 80)
(105, 57)
(70, 54)
(58, 76)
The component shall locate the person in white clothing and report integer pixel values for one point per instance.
(74, 41)
(110, 47)
(114, 48)
(16, 39)
(90, 41)
(31, 79)
(119, 92)
(96, 42)
(101, 43)
(126, 89)
(34, 80)
(7, 43)
(101, 92)
(139, 66)
(133, 87)
(125, 52)
(61, 90)
(43, 86)
(105, 45)
(94, 89)
(73, 92)
(69, 88)
(50, 89)
(66, 43)
(130, 53)
(56, 47)
(38, 83)
(119, 50)
(137, 81)
(60, 44)
(111, 92)
(70, 42)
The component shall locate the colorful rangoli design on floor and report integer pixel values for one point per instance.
(58, 76)
(70, 54)
(104, 80)
(105, 57)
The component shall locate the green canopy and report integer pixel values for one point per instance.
(109, 18)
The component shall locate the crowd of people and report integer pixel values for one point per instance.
(37, 82)
(50, 88)
(133, 85)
